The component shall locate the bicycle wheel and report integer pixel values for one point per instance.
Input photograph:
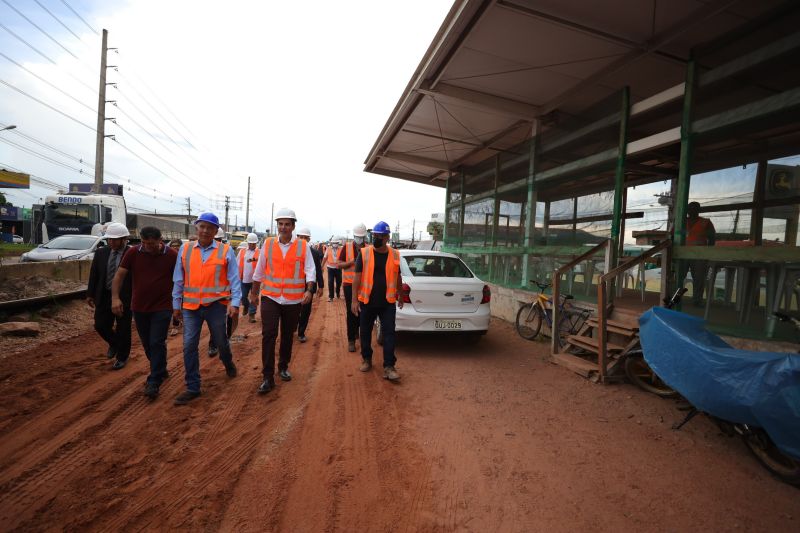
(529, 321)
(779, 464)
(641, 375)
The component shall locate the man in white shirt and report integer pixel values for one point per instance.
(284, 279)
(248, 257)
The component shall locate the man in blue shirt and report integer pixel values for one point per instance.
(196, 299)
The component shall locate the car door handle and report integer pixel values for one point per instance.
(448, 294)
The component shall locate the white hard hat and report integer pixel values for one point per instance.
(220, 234)
(360, 230)
(116, 230)
(252, 238)
(304, 232)
(285, 212)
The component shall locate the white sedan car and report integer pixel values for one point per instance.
(440, 293)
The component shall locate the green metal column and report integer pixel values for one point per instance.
(446, 209)
(684, 168)
(461, 215)
(530, 207)
(495, 217)
(619, 179)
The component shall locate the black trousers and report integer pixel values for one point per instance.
(334, 274)
(118, 338)
(305, 315)
(275, 316)
(352, 320)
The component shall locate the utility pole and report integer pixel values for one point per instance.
(101, 118)
(413, 230)
(271, 218)
(227, 208)
(189, 206)
(247, 211)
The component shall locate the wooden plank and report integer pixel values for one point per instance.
(761, 254)
(576, 364)
(622, 324)
(593, 344)
(619, 330)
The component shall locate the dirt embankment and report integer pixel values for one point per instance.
(485, 437)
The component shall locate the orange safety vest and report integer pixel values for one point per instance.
(368, 272)
(284, 276)
(241, 261)
(349, 274)
(205, 282)
(697, 232)
(333, 261)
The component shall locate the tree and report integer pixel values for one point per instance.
(2, 199)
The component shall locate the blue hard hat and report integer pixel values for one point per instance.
(382, 227)
(211, 218)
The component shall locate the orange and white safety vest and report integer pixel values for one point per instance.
(284, 276)
(349, 274)
(333, 260)
(368, 273)
(241, 260)
(205, 282)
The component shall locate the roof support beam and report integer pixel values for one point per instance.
(488, 143)
(417, 160)
(700, 15)
(490, 102)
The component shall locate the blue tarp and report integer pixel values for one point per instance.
(756, 388)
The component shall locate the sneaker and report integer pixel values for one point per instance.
(365, 365)
(213, 351)
(351, 346)
(230, 370)
(186, 397)
(285, 375)
(302, 338)
(266, 387)
(252, 318)
(390, 373)
(151, 391)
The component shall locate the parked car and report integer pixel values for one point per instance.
(65, 247)
(441, 293)
(16, 239)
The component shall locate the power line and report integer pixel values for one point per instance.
(10, 86)
(80, 17)
(18, 12)
(58, 20)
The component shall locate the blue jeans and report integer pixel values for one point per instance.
(215, 315)
(386, 314)
(251, 309)
(152, 328)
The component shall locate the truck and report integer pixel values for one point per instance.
(237, 238)
(78, 213)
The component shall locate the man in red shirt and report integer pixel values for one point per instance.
(151, 265)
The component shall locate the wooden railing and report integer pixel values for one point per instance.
(555, 342)
(602, 299)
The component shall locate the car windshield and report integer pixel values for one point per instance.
(71, 242)
(434, 266)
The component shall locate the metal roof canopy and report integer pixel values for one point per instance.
(496, 66)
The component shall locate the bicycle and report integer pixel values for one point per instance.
(531, 316)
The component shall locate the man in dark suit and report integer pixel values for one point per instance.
(305, 309)
(98, 295)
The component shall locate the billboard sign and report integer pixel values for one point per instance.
(14, 180)
(8, 212)
(105, 188)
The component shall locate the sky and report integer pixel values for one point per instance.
(291, 94)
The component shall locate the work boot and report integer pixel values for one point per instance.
(302, 338)
(230, 370)
(118, 365)
(366, 365)
(186, 397)
(351, 346)
(390, 373)
(285, 375)
(252, 318)
(111, 352)
(330, 299)
(151, 391)
(213, 351)
(266, 386)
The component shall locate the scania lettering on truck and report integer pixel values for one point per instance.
(81, 214)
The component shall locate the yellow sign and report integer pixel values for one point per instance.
(14, 180)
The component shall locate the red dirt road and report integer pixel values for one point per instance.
(485, 437)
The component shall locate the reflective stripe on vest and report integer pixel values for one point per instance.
(284, 276)
(697, 232)
(241, 261)
(349, 273)
(368, 273)
(333, 260)
(205, 282)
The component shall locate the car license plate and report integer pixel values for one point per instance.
(447, 324)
